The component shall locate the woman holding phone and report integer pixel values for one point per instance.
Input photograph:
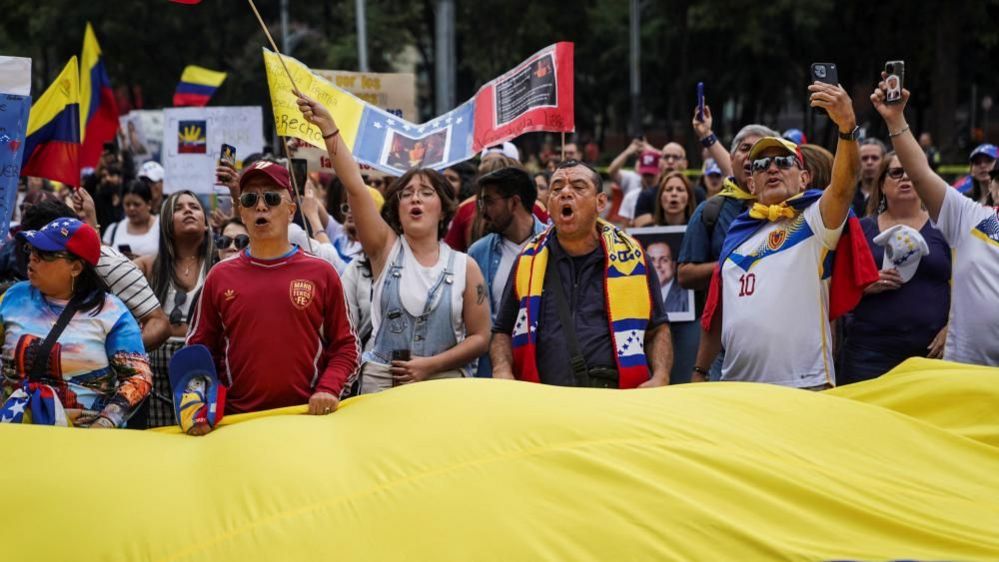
(429, 313)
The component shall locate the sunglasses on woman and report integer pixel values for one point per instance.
(239, 241)
(896, 173)
(783, 163)
(249, 199)
(47, 256)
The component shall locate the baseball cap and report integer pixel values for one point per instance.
(648, 163)
(904, 249)
(989, 150)
(711, 168)
(772, 142)
(507, 149)
(795, 136)
(271, 170)
(66, 234)
(152, 171)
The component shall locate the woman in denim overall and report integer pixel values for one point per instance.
(418, 207)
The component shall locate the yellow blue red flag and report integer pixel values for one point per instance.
(197, 85)
(52, 145)
(98, 109)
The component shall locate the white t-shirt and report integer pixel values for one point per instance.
(628, 204)
(972, 230)
(147, 244)
(416, 282)
(775, 304)
(629, 181)
(508, 254)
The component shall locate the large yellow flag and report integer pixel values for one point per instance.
(345, 108)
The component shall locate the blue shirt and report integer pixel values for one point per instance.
(488, 252)
(701, 246)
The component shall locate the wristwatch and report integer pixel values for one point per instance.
(852, 135)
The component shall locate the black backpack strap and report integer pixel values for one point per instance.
(576, 359)
(711, 212)
(40, 364)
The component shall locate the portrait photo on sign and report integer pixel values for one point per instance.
(532, 86)
(662, 247)
(403, 152)
(894, 88)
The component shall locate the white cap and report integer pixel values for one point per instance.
(151, 170)
(904, 248)
(507, 149)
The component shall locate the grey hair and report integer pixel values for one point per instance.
(876, 142)
(748, 130)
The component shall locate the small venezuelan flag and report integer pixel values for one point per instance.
(52, 144)
(196, 86)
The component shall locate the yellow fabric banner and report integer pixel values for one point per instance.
(345, 108)
(904, 467)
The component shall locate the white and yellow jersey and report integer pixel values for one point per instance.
(775, 299)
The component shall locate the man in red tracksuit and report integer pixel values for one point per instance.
(274, 317)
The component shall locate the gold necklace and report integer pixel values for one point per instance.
(187, 269)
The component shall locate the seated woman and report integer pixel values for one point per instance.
(429, 313)
(904, 314)
(138, 233)
(92, 360)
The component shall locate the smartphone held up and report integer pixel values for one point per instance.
(894, 80)
(700, 101)
(827, 73)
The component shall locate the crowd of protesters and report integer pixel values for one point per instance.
(807, 268)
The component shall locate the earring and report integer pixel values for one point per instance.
(882, 204)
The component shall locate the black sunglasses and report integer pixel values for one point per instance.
(895, 173)
(47, 256)
(177, 315)
(249, 200)
(240, 241)
(783, 163)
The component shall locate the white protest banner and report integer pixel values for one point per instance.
(193, 137)
(394, 92)
(15, 76)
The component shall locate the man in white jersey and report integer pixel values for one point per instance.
(971, 229)
(774, 277)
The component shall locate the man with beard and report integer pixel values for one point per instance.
(594, 318)
(505, 200)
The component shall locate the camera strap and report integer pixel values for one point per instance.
(40, 365)
(576, 359)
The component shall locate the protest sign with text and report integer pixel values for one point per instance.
(193, 136)
(15, 106)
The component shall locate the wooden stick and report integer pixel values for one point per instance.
(563, 136)
(273, 44)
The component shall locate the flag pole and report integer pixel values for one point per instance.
(563, 139)
(287, 151)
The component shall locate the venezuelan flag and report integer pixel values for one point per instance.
(98, 109)
(52, 145)
(196, 86)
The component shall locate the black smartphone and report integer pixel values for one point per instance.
(400, 355)
(300, 171)
(125, 248)
(824, 72)
(227, 155)
(109, 147)
(895, 70)
(700, 101)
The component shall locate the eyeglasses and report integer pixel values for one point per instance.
(177, 315)
(672, 157)
(344, 208)
(249, 199)
(47, 256)
(896, 173)
(783, 163)
(240, 241)
(409, 194)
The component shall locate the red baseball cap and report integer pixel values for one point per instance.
(271, 170)
(648, 163)
(66, 234)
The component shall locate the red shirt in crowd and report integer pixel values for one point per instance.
(277, 329)
(460, 230)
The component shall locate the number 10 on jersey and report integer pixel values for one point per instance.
(747, 284)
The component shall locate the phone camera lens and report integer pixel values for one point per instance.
(820, 71)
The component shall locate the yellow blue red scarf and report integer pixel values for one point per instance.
(628, 312)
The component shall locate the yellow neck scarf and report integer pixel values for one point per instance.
(772, 213)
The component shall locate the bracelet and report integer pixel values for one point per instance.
(709, 140)
(331, 135)
(700, 371)
(893, 135)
